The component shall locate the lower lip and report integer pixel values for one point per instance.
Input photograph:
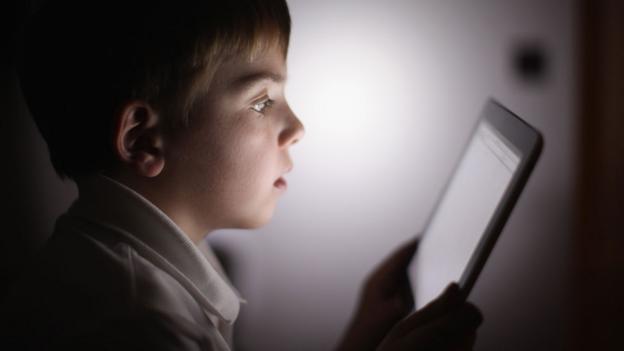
(280, 184)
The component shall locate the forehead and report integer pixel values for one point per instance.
(238, 72)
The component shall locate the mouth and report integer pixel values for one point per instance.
(281, 183)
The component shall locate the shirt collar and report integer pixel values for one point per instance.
(109, 202)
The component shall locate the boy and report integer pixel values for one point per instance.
(171, 118)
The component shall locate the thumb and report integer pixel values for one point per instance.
(449, 299)
(398, 261)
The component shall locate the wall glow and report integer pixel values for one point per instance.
(388, 92)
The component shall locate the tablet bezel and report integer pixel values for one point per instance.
(529, 142)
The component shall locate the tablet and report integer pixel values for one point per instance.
(475, 203)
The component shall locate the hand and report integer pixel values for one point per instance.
(447, 323)
(386, 299)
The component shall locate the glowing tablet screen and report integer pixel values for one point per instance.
(471, 198)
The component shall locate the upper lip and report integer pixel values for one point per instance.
(287, 170)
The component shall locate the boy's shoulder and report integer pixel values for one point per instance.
(88, 280)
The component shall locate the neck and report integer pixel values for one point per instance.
(170, 203)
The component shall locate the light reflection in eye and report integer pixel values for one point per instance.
(261, 106)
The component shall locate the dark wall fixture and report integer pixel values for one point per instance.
(529, 61)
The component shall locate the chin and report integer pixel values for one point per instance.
(256, 221)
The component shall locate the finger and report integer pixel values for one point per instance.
(442, 305)
(465, 342)
(402, 299)
(391, 274)
(403, 255)
(466, 318)
(453, 329)
(406, 293)
(398, 261)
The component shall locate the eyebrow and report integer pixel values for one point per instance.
(249, 79)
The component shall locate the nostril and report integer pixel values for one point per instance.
(291, 136)
(300, 132)
(296, 140)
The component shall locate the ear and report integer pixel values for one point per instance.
(138, 139)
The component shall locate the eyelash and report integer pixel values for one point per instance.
(262, 106)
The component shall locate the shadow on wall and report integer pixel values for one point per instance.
(32, 195)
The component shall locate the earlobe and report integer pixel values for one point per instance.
(138, 139)
(149, 165)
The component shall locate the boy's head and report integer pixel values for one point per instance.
(84, 59)
(169, 97)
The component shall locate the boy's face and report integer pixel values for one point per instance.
(226, 170)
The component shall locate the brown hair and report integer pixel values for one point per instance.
(83, 60)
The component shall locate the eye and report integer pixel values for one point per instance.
(262, 106)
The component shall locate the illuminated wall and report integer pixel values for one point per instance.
(388, 91)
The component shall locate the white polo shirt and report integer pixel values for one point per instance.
(119, 274)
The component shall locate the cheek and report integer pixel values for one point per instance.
(252, 159)
(229, 174)
(234, 159)
(250, 167)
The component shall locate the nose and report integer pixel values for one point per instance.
(293, 132)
